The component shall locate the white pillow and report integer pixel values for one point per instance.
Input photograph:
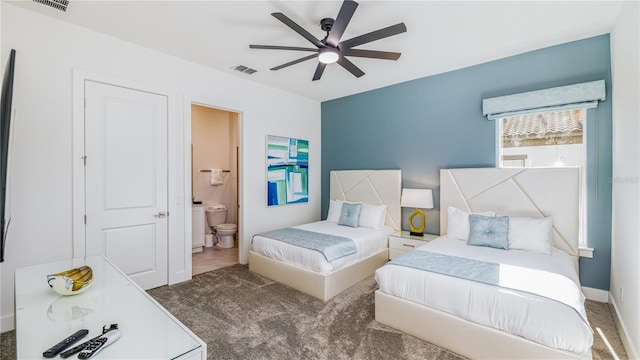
(335, 209)
(531, 234)
(458, 222)
(372, 216)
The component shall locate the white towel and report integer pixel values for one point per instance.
(216, 177)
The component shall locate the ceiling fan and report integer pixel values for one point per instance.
(330, 49)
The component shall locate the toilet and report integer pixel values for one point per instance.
(216, 217)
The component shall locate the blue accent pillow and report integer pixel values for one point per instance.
(492, 231)
(350, 214)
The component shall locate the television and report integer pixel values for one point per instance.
(5, 127)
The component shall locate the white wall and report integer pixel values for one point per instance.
(541, 156)
(41, 173)
(625, 237)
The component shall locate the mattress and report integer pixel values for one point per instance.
(367, 241)
(534, 317)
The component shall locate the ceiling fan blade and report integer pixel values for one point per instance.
(373, 36)
(295, 62)
(319, 70)
(350, 66)
(297, 28)
(385, 55)
(342, 20)
(276, 47)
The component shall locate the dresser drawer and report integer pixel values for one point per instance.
(404, 243)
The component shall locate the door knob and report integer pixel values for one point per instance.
(161, 214)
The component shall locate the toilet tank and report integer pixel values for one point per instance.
(216, 216)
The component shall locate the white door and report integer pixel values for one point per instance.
(126, 180)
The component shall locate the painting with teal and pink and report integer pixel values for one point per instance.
(287, 170)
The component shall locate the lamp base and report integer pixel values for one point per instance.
(417, 231)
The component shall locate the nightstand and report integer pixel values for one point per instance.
(402, 242)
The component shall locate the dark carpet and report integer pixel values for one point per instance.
(241, 315)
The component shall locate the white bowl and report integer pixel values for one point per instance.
(71, 282)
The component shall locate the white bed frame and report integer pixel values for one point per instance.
(532, 192)
(375, 187)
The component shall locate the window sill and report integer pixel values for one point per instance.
(586, 252)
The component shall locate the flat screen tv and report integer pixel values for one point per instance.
(5, 126)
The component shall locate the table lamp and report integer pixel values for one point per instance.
(418, 199)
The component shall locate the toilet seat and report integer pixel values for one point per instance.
(226, 227)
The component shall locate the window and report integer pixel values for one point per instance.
(514, 161)
(543, 139)
(546, 139)
(544, 128)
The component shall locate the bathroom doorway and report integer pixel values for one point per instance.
(214, 187)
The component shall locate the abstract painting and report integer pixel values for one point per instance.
(287, 170)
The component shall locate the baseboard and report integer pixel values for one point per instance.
(7, 323)
(632, 352)
(595, 294)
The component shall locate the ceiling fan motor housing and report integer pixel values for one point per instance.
(326, 24)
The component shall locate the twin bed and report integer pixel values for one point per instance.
(308, 270)
(476, 319)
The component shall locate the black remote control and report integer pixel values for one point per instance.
(65, 343)
(76, 349)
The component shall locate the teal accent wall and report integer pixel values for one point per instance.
(436, 122)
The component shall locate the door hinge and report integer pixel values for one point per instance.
(85, 219)
(84, 159)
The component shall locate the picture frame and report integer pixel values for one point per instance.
(287, 170)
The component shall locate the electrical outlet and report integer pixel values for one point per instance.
(621, 294)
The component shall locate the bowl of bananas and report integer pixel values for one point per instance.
(71, 282)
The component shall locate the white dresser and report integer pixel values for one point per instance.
(149, 331)
(197, 227)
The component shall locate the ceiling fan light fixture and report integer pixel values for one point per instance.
(328, 55)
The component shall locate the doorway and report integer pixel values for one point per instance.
(214, 187)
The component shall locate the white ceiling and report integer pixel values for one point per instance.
(441, 35)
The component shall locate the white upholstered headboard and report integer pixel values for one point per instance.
(375, 187)
(534, 192)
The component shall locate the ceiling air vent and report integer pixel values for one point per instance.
(56, 4)
(244, 69)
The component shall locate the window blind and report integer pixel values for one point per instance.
(584, 95)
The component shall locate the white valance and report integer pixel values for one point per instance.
(584, 95)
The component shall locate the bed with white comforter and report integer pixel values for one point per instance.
(534, 317)
(376, 193)
(518, 224)
(367, 242)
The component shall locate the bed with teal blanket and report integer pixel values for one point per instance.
(323, 258)
(332, 247)
(488, 302)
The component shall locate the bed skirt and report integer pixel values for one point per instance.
(321, 286)
(459, 335)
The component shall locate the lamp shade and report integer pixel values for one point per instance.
(417, 198)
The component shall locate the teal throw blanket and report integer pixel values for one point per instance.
(333, 247)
